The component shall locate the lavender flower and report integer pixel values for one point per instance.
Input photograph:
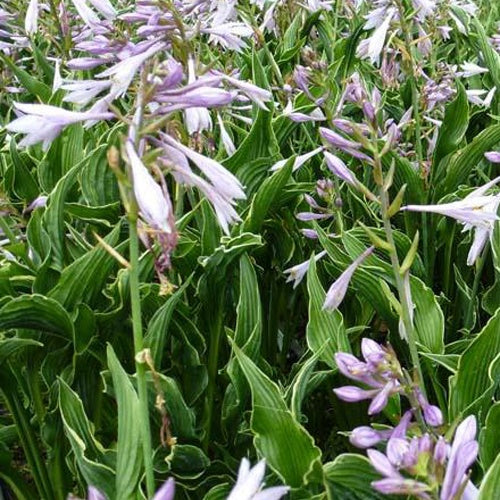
(339, 168)
(250, 481)
(463, 453)
(493, 156)
(43, 123)
(338, 289)
(123, 72)
(476, 211)
(297, 273)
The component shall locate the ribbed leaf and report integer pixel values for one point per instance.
(349, 476)
(94, 462)
(266, 197)
(38, 313)
(489, 439)
(490, 486)
(286, 445)
(478, 371)
(326, 333)
(129, 451)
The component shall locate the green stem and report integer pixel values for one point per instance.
(475, 287)
(404, 299)
(135, 301)
(140, 367)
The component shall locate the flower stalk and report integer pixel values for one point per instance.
(404, 299)
(135, 300)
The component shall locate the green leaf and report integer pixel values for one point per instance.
(9, 347)
(31, 84)
(266, 196)
(95, 463)
(429, 318)
(36, 312)
(325, 332)
(128, 447)
(260, 142)
(351, 474)
(490, 486)
(455, 122)
(459, 165)
(187, 461)
(288, 448)
(83, 280)
(478, 372)
(53, 217)
(489, 438)
(158, 327)
(24, 184)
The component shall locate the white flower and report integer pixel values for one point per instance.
(476, 211)
(299, 161)
(471, 69)
(43, 123)
(297, 273)
(31, 19)
(249, 484)
(154, 207)
(197, 119)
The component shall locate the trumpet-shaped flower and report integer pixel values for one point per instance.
(31, 19)
(338, 289)
(250, 481)
(154, 206)
(43, 123)
(297, 273)
(476, 211)
(123, 72)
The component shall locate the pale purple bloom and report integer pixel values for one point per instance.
(154, 205)
(493, 156)
(94, 494)
(309, 216)
(256, 94)
(299, 160)
(401, 486)
(81, 92)
(338, 289)
(295, 116)
(471, 69)
(249, 484)
(223, 189)
(297, 272)
(123, 72)
(365, 437)
(226, 138)
(339, 168)
(310, 233)
(166, 491)
(31, 19)
(104, 7)
(89, 17)
(229, 34)
(337, 140)
(39, 202)
(463, 453)
(476, 211)
(372, 47)
(43, 123)
(432, 414)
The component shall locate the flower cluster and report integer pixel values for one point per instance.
(418, 460)
(382, 372)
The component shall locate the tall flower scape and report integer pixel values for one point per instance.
(249, 249)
